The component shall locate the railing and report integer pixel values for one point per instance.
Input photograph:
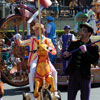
(4, 9)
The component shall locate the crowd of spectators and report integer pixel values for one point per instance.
(73, 7)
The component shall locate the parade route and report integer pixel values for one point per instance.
(15, 93)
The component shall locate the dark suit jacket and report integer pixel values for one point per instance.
(82, 61)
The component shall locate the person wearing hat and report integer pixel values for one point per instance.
(92, 20)
(79, 68)
(51, 33)
(83, 19)
(65, 41)
(56, 8)
(33, 56)
(98, 27)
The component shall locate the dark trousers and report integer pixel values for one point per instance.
(77, 83)
(65, 64)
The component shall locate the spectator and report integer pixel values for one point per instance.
(84, 7)
(60, 3)
(51, 33)
(92, 20)
(98, 27)
(71, 7)
(77, 6)
(4, 49)
(79, 68)
(66, 39)
(56, 8)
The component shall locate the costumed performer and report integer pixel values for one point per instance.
(92, 20)
(51, 33)
(79, 68)
(33, 56)
(65, 40)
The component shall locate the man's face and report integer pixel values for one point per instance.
(84, 33)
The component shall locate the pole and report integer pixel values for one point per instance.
(39, 21)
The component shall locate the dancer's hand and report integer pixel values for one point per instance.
(18, 36)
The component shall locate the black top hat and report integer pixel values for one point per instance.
(90, 28)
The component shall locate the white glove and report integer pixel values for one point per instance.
(83, 48)
(18, 36)
(49, 48)
(12, 43)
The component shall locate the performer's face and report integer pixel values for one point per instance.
(67, 30)
(84, 33)
(36, 31)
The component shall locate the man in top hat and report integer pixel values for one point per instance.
(51, 33)
(65, 41)
(33, 56)
(79, 68)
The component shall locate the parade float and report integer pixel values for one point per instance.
(13, 57)
(95, 70)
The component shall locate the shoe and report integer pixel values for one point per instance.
(32, 97)
(1, 99)
(26, 96)
(56, 95)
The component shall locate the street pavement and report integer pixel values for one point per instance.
(15, 93)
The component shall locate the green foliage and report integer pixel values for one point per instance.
(59, 32)
(10, 33)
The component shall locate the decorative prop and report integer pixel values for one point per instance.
(78, 17)
(96, 7)
(43, 71)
